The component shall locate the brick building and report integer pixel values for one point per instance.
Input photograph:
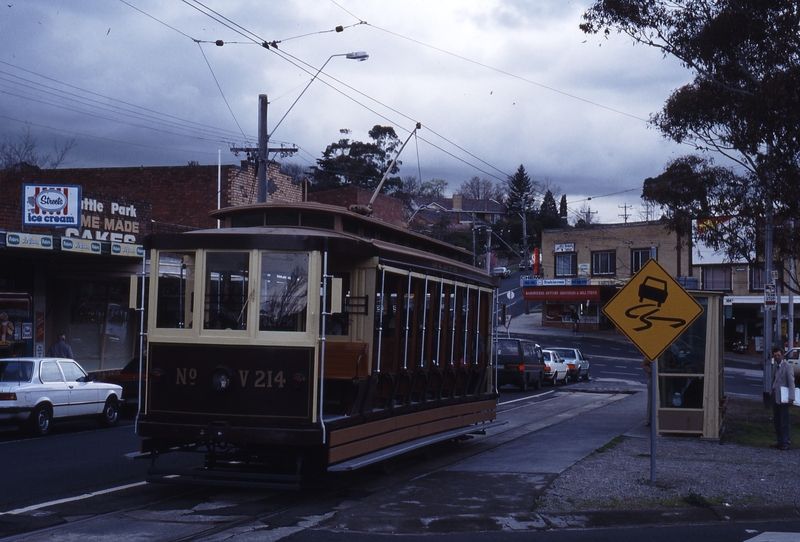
(78, 275)
(583, 267)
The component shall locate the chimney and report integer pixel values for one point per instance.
(457, 201)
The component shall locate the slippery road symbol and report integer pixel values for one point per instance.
(652, 289)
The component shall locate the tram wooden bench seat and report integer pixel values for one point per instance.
(346, 361)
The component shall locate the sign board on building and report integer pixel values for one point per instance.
(29, 240)
(80, 245)
(126, 249)
(51, 206)
(652, 310)
(562, 293)
(527, 282)
(565, 247)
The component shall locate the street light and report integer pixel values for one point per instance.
(264, 136)
(361, 56)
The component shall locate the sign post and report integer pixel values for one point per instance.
(652, 310)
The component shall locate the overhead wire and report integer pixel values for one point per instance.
(255, 38)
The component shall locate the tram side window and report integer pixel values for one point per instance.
(175, 290)
(227, 289)
(283, 298)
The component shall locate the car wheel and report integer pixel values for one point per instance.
(554, 381)
(110, 415)
(523, 385)
(41, 420)
(586, 376)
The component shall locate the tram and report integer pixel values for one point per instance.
(303, 337)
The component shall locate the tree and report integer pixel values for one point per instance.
(548, 212)
(23, 151)
(562, 208)
(435, 188)
(355, 163)
(743, 102)
(520, 191)
(295, 171)
(481, 189)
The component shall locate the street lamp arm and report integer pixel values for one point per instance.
(358, 55)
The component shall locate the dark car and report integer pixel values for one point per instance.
(128, 378)
(520, 363)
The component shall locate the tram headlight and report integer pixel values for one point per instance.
(221, 379)
(156, 376)
(298, 380)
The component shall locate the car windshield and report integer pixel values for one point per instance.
(16, 371)
(564, 352)
(507, 348)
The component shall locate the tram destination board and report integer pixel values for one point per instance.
(652, 310)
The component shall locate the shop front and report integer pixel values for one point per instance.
(570, 303)
(71, 267)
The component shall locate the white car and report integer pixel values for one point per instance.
(578, 363)
(501, 271)
(37, 391)
(555, 368)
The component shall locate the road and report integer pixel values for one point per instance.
(619, 358)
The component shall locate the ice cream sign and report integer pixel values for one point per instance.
(52, 206)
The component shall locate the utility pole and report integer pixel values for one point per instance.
(624, 214)
(767, 308)
(262, 151)
(263, 147)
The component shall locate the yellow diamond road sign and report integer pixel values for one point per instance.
(652, 310)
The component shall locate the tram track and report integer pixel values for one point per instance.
(273, 510)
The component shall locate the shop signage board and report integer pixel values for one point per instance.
(51, 206)
(80, 245)
(127, 249)
(29, 240)
(652, 310)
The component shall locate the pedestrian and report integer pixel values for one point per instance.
(60, 349)
(782, 377)
(647, 367)
(576, 320)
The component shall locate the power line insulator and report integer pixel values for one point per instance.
(219, 43)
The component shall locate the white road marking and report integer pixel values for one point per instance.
(71, 499)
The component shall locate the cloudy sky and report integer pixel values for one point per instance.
(495, 84)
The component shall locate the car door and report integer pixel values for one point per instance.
(54, 388)
(83, 395)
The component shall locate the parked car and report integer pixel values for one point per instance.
(520, 362)
(555, 368)
(577, 363)
(128, 379)
(34, 392)
(501, 271)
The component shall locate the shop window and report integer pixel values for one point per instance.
(227, 289)
(681, 368)
(758, 276)
(639, 257)
(283, 297)
(175, 304)
(566, 264)
(604, 263)
(717, 278)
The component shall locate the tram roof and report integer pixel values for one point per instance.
(310, 225)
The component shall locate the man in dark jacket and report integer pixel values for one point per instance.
(61, 349)
(782, 377)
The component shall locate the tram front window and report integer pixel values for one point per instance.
(227, 280)
(283, 299)
(175, 290)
